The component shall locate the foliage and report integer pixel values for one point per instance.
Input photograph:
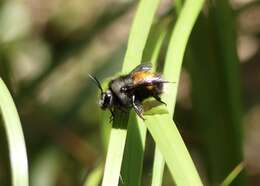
(46, 54)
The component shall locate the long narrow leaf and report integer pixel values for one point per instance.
(159, 161)
(136, 43)
(17, 149)
(95, 176)
(183, 173)
(157, 36)
(158, 167)
(133, 158)
(172, 147)
(233, 174)
(115, 150)
(179, 39)
(132, 165)
(139, 33)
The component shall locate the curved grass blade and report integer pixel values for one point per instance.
(237, 170)
(16, 143)
(183, 173)
(133, 158)
(115, 150)
(158, 167)
(95, 176)
(132, 164)
(139, 34)
(159, 161)
(177, 45)
(172, 147)
(136, 43)
(151, 53)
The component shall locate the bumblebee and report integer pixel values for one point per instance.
(128, 91)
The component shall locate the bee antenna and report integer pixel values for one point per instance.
(95, 80)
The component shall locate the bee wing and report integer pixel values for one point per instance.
(145, 81)
(151, 80)
(142, 67)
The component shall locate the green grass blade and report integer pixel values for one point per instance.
(95, 176)
(136, 43)
(115, 150)
(139, 34)
(178, 6)
(151, 53)
(133, 160)
(159, 161)
(177, 45)
(158, 167)
(172, 69)
(17, 149)
(155, 41)
(233, 174)
(132, 164)
(172, 147)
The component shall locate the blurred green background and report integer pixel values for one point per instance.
(47, 49)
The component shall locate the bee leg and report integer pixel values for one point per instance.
(138, 108)
(159, 99)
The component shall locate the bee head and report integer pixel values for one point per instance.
(106, 99)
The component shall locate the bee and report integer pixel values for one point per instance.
(128, 91)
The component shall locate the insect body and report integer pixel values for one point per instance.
(128, 91)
